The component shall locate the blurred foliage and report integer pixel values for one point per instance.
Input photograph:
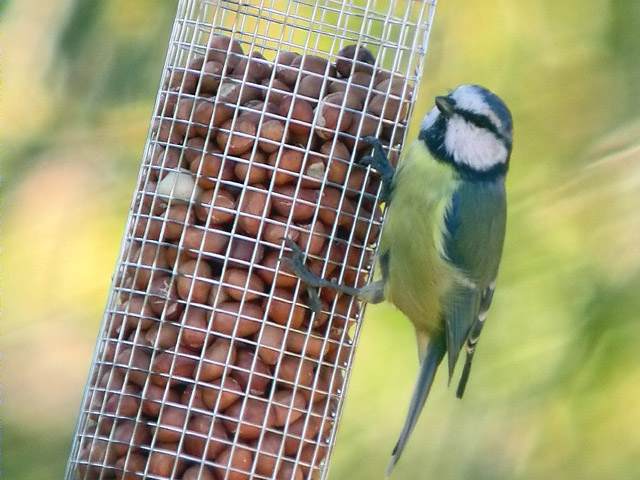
(556, 382)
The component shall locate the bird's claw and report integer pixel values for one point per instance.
(371, 140)
(379, 162)
(296, 263)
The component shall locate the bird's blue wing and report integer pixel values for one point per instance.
(473, 238)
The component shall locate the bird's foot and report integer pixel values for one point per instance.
(379, 161)
(295, 262)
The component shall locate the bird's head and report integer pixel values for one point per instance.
(472, 129)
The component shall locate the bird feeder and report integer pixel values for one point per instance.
(209, 363)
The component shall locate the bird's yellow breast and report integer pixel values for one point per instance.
(418, 275)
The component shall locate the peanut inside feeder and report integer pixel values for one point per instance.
(210, 363)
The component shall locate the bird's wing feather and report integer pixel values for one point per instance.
(474, 234)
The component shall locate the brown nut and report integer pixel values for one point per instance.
(236, 463)
(310, 64)
(211, 76)
(331, 204)
(146, 201)
(285, 72)
(285, 278)
(250, 418)
(125, 403)
(310, 86)
(168, 102)
(287, 407)
(207, 168)
(301, 115)
(194, 281)
(305, 428)
(195, 402)
(178, 216)
(134, 363)
(198, 240)
(313, 237)
(129, 435)
(128, 315)
(154, 397)
(186, 79)
(211, 112)
(390, 103)
(254, 206)
(252, 170)
(242, 252)
(276, 90)
(168, 363)
(248, 365)
(239, 284)
(253, 110)
(223, 49)
(204, 434)
(275, 230)
(281, 307)
(163, 297)
(230, 320)
(289, 471)
(164, 460)
(130, 467)
(271, 343)
(235, 91)
(220, 353)
(195, 323)
(268, 453)
(165, 334)
(98, 452)
(171, 422)
(255, 66)
(149, 262)
(240, 140)
(295, 371)
(166, 132)
(194, 148)
(198, 472)
(335, 113)
(303, 205)
(271, 135)
(288, 161)
(360, 59)
(163, 160)
(184, 114)
(337, 161)
(363, 125)
(310, 345)
(215, 211)
(230, 389)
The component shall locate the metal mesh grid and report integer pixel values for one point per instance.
(209, 363)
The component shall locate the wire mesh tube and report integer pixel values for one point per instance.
(209, 363)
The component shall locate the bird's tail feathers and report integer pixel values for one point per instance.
(464, 378)
(472, 343)
(434, 355)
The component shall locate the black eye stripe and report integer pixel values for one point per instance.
(481, 121)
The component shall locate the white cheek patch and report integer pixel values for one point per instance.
(429, 119)
(472, 146)
(468, 98)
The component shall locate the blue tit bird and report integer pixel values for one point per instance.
(441, 244)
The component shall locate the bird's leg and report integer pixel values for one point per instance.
(379, 161)
(370, 293)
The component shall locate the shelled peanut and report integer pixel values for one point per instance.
(212, 362)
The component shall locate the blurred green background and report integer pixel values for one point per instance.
(556, 384)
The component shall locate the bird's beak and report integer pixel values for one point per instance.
(444, 105)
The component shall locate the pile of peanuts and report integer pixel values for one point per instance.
(212, 366)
